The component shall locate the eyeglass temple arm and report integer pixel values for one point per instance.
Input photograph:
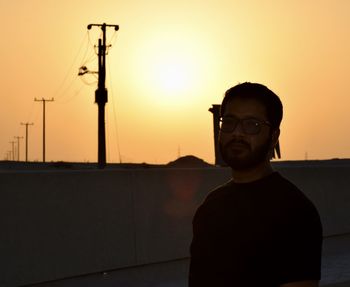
(277, 150)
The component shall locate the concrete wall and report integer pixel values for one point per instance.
(59, 224)
(329, 188)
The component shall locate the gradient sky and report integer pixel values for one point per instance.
(169, 62)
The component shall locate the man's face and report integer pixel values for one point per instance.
(239, 149)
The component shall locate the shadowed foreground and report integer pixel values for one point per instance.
(132, 227)
(335, 271)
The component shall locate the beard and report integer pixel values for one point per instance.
(239, 155)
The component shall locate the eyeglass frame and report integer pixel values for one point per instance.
(239, 122)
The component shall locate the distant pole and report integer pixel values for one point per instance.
(18, 150)
(13, 149)
(27, 124)
(44, 101)
(101, 94)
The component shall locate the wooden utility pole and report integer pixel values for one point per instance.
(13, 149)
(27, 124)
(18, 150)
(44, 101)
(101, 95)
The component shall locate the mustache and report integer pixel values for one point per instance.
(238, 141)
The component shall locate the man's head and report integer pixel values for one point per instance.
(250, 118)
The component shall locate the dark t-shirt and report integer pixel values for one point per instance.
(262, 233)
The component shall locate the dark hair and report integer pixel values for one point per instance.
(258, 92)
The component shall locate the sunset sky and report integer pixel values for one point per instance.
(169, 62)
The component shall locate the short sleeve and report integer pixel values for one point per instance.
(300, 245)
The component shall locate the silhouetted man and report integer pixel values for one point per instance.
(258, 229)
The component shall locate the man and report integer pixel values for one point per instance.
(258, 229)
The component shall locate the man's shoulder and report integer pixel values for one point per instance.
(280, 180)
(275, 183)
(219, 191)
(292, 198)
(289, 189)
(214, 200)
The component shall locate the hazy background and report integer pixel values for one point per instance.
(169, 62)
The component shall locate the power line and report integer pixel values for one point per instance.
(73, 96)
(115, 115)
(60, 87)
(113, 39)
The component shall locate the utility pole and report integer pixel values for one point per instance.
(44, 101)
(13, 149)
(215, 110)
(101, 95)
(27, 124)
(18, 138)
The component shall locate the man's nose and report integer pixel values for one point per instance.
(238, 129)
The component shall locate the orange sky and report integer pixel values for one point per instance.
(169, 62)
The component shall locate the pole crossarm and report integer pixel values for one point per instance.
(103, 26)
(44, 100)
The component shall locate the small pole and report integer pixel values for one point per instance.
(13, 149)
(27, 124)
(18, 150)
(44, 101)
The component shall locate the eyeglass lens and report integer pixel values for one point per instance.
(249, 126)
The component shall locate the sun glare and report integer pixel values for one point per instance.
(171, 74)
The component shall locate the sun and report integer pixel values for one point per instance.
(171, 74)
(170, 68)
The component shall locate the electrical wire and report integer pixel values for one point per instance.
(36, 113)
(114, 114)
(76, 94)
(89, 60)
(88, 83)
(108, 155)
(112, 41)
(93, 45)
(113, 38)
(65, 91)
(28, 118)
(85, 60)
(69, 72)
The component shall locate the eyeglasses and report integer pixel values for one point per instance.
(250, 126)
